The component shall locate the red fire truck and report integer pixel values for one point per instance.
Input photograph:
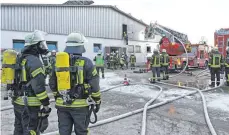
(172, 42)
(222, 40)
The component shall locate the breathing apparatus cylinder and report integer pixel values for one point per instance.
(62, 71)
(8, 71)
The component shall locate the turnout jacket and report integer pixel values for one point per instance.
(32, 71)
(90, 81)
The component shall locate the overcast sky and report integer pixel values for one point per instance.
(196, 18)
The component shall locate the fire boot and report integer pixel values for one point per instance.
(212, 84)
(218, 83)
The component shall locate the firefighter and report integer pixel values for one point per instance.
(227, 67)
(99, 63)
(77, 96)
(165, 64)
(117, 61)
(155, 65)
(112, 61)
(29, 92)
(107, 59)
(215, 64)
(52, 57)
(52, 61)
(132, 61)
(126, 60)
(122, 61)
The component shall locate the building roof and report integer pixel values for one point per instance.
(79, 2)
(66, 5)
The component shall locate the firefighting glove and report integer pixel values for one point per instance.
(45, 111)
(44, 124)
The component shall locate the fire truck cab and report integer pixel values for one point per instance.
(222, 40)
(198, 57)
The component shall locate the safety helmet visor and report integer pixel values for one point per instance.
(43, 45)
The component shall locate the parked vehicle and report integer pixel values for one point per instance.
(222, 40)
(172, 41)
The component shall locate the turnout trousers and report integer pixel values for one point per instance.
(79, 117)
(102, 70)
(215, 73)
(155, 71)
(227, 75)
(165, 72)
(132, 66)
(25, 122)
(112, 65)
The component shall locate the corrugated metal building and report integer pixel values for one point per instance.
(103, 25)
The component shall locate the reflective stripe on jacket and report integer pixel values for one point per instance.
(164, 59)
(216, 61)
(37, 95)
(80, 81)
(155, 61)
(227, 61)
(132, 59)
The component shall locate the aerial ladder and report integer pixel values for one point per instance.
(174, 42)
(174, 36)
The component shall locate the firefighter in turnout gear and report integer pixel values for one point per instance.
(215, 64)
(165, 64)
(132, 61)
(99, 63)
(107, 60)
(155, 65)
(52, 60)
(126, 60)
(117, 61)
(227, 67)
(28, 86)
(75, 85)
(112, 61)
(52, 57)
(122, 61)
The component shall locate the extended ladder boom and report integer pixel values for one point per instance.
(174, 36)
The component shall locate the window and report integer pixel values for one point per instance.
(52, 45)
(148, 49)
(18, 45)
(130, 49)
(124, 29)
(138, 49)
(97, 47)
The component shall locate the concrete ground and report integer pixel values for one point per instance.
(182, 117)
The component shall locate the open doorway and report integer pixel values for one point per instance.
(148, 49)
(124, 29)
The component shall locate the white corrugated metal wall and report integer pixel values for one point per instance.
(93, 21)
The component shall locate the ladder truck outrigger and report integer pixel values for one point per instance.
(175, 44)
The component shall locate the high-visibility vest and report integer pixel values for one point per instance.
(99, 61)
